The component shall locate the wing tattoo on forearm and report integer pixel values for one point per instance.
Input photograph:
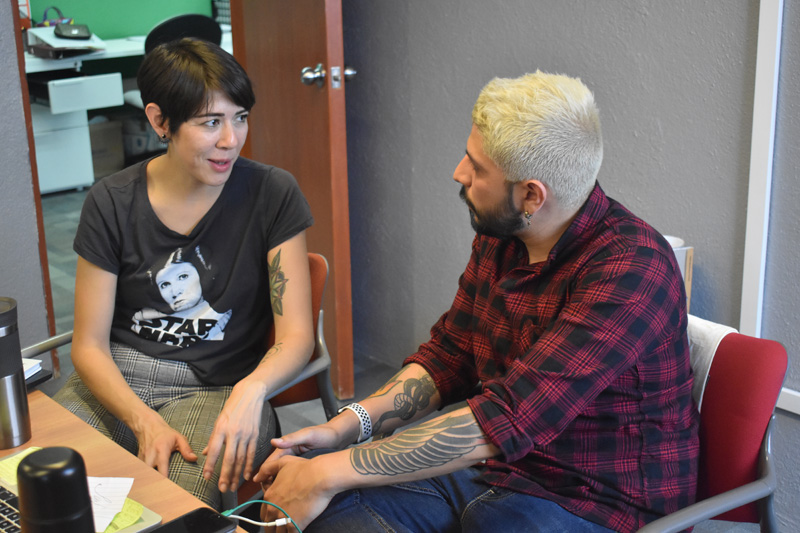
(428, 445)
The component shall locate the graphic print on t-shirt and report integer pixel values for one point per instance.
(180, 280)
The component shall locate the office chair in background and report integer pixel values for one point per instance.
(188, 25)
(738, 379)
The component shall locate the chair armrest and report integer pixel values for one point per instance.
(311, 369)
(707, 509)
(46, 345)
(314, 367)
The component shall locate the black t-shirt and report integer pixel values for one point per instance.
(201, 298)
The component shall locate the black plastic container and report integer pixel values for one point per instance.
(54, 492)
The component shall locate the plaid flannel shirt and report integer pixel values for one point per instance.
(583, 363)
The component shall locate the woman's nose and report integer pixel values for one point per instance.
(227, 136)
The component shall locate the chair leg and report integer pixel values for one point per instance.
(329, 401)
(769, 524)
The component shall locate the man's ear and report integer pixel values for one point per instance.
(156, 118)
(535, 195)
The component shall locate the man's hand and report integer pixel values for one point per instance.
(305, 440)
(298, 486)
(157, 441)
(237, 429)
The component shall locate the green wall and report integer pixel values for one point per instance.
(112, 19)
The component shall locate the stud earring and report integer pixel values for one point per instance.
(163, 139)
(528, 217)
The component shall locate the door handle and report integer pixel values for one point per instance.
(317, 75)
(313, 75)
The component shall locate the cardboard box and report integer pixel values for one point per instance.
(108, 154)
(685, 256)
(139, 138)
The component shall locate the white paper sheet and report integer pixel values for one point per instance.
(108, 496)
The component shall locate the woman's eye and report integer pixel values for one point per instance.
(164, 285)
(242, 118)
(183, 277)
(213, 122)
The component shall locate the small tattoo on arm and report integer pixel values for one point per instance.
(277, 284)
(275, 350)
(386, 387)
(416, 395)
(428, 445)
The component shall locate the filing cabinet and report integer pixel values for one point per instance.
(63, 149)
(61, 128)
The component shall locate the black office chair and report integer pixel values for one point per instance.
(178, 27)
(189, 25)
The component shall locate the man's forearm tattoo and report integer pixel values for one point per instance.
(428, 445)
(277, 284)
(416, 395)
(276, 348)
(386, 387)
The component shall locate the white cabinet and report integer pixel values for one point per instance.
(63, 150)
(85, 92)
(61, 128)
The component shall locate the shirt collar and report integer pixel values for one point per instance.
(580, 230)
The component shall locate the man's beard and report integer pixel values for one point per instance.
(502, 222)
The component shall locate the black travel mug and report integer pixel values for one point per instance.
(15, 419)
(54, 492)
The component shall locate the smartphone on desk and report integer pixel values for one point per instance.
(202, 520)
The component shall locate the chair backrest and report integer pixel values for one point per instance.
(189, 25)
(744, 380)
(308, 389)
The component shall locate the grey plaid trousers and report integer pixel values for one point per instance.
(183, 401)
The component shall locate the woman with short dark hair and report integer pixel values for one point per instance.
(173, 292)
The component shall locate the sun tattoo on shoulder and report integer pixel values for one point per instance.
(277, 284)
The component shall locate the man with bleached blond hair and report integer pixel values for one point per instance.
(566, 340)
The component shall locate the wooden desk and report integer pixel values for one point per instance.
(53, 425)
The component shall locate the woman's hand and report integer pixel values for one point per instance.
(237, 429)
(157, 441)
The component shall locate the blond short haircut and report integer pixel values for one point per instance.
(544, 127)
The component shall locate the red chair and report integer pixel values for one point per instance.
(738, 381)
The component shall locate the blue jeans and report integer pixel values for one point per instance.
(456, 502)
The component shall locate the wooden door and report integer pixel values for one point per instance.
(301, 128)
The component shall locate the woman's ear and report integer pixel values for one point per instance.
(159, 124)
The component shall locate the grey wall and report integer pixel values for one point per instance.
(20, 265)
(782, 290)
(674, 82)
(781, 308)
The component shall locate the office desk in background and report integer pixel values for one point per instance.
(53, 425)
(59, 112)
(115, 48)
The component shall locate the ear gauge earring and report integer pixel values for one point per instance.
(528, 217)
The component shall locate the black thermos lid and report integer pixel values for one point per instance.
(8, 312)
(54, 492)
(10, 358)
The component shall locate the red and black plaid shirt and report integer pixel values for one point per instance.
(583, 362)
